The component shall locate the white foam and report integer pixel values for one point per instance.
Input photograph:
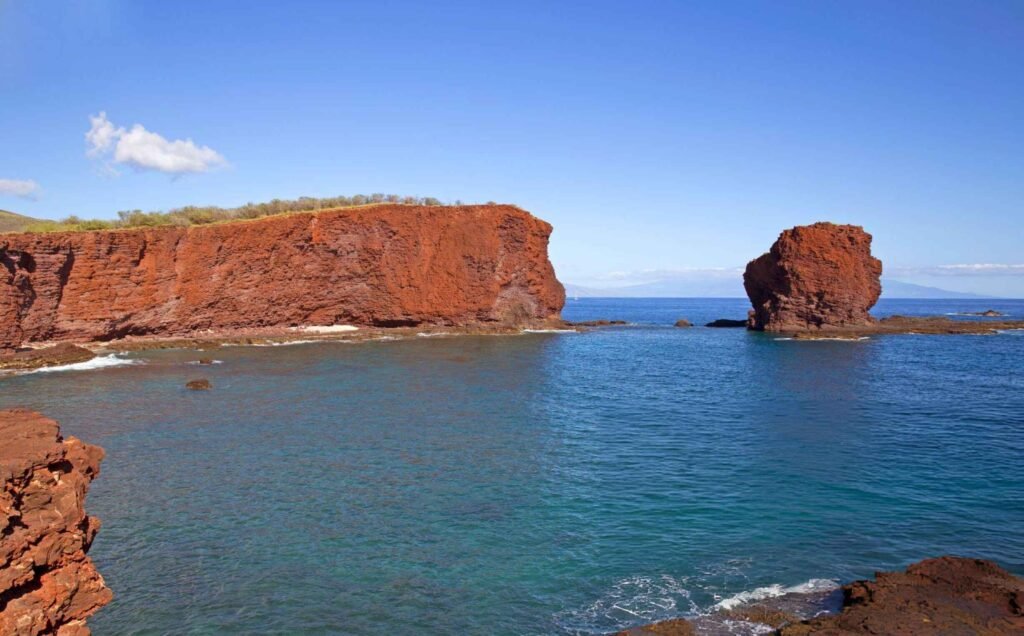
(776, 590)
(210, 362)
(632, 600)
(434, 334)
(550, 331)
(286, 343)
(325, 328)
(99, 362)
(858, 339)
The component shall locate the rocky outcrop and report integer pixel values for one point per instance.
(726, 323)
(63, 353)
(47, 583)
(815, 277)
(943, 596)
(935, 597)
(383, 265)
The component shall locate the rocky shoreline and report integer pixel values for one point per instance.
(46, 354)
(935, 597)
(47, 583)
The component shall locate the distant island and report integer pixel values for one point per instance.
(718, 287)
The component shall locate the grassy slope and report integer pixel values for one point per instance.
(11, 222)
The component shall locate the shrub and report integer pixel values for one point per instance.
(204, 215)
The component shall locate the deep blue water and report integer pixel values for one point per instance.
(539, 484)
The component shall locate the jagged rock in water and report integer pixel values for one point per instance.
(726, 323)
(47, 583)
(815, 277)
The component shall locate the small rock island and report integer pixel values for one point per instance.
(815, 277)
(821, 281)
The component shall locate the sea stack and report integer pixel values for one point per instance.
(815, 277)
(47, 583)
(386, 265)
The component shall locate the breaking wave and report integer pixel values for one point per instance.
(99, 362)
(773, 591)
(859, 339)
(641, 600)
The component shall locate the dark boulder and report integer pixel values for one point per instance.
(725, 323)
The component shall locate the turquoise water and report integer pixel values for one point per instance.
(539, 484)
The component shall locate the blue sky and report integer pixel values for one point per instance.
(655, 136)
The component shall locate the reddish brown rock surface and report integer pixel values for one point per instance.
(816, 277)
(383, 265)
(941, 597)
(947, 596)
(47, 583)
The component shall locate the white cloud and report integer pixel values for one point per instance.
(101, 135)
(961, 269)
(26, 189)
(145, 150)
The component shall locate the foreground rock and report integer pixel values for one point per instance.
(943, 596)
(936, 597)
(683, 323)
(815, 277)
(60, 354)
(202, 384)
(47, 583)
(382, 265)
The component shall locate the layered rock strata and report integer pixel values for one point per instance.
(382, 265)
(815, 277)
(47, 583)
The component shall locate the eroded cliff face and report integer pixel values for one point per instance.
(815, 277)
(47, 583)
(385, 265)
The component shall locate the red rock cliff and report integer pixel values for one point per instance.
(815, 277)
(47, 583)
(384, 265)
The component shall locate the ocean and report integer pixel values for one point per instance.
(548, 483)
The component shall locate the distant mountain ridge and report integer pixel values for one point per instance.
(728, 288)
(11, 222)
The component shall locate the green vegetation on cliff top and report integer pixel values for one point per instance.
(204, 215)
(11, 222)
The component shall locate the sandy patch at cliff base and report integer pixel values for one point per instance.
(325, 328)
